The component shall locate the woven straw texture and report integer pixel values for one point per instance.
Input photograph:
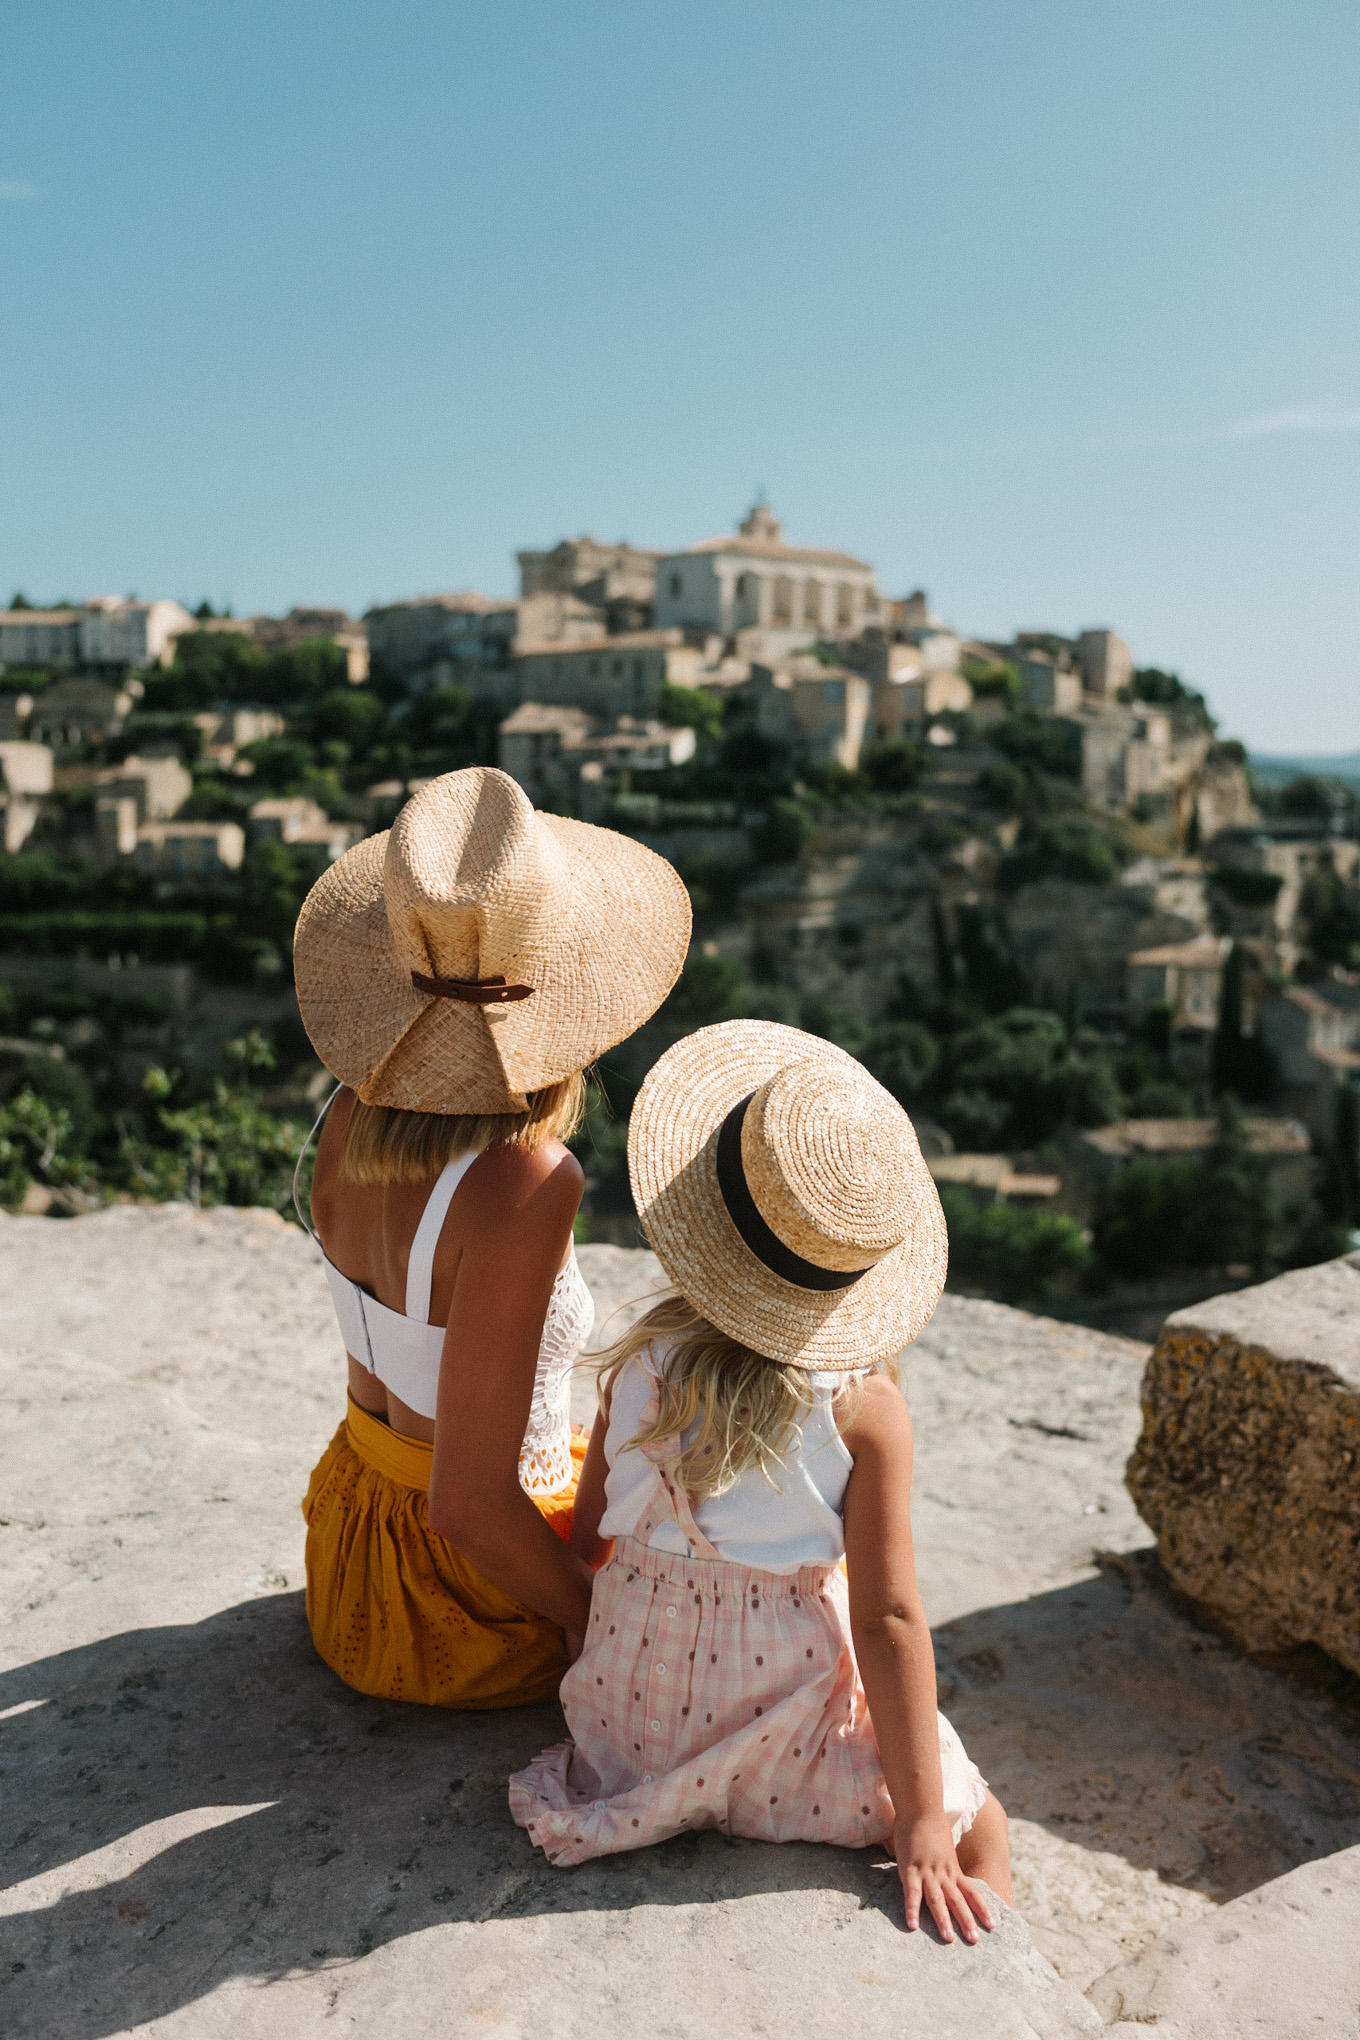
(472, 883)
(836, 1172)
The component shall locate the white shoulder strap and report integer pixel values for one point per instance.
(420, 1267)
(297, 1173)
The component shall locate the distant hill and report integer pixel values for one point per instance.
(1277, 771)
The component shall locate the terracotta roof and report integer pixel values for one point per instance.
(1340, 1059)
(467, 599)
(533, 718)
(1190, 1136)
(774, 549)
(1203, 952)
(47, 616)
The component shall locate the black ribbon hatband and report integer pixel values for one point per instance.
(767, 1247)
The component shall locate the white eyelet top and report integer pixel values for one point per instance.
(403, 1350)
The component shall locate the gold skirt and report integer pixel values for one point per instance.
(396, 1610)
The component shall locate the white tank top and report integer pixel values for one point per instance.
(403, 1350)
(753, 1523)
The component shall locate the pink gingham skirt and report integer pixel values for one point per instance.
(715, 1695)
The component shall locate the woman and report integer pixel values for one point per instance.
(457, 975)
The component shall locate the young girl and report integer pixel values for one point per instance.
(746, 1445)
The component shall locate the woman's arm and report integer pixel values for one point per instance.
(897, 1661)
(512, 1250)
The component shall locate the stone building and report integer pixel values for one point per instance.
(39, 637)
(821, 713)
(539, 745)
(1280, 1142)
(1261, 872)
(905, 704)
(157, 787)
(1128, 755)
(188, 852)
(1313, 1032)
(25, 777)
(137, 795)
(226, 730)
(301, 823)
(430, 634)
(1186, 977)
(1106, 664)
(303, 626)
(80, 710)
(117, 632)
(772, 597)
(566, 760)
(468, 640)
(617, 580)
(605, 676)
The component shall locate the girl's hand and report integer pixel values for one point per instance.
(929, 1869)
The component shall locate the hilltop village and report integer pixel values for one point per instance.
(1114, 980)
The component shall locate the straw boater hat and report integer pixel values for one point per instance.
(785, 1195)
(478, 950)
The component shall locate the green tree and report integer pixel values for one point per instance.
(1168, 690)
(692, 708)
(1019, 1255)
(893, 765)
(1242, 1065)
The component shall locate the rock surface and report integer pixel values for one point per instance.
(1277, 1963)
(207, 1831)
(1248, 1466)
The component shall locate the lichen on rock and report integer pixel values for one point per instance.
(1248, 1465)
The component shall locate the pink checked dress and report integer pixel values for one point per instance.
(717, 1693)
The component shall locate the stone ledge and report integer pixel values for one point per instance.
(1248, 1465)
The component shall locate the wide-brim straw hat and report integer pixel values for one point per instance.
(784, 1193)
(479, 950)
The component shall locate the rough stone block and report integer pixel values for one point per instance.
(1247, 1466)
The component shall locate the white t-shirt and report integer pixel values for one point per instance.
(752, 1522)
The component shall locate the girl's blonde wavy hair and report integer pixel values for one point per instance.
(385, 1144)
(748, 1408)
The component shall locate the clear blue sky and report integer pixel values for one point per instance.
(1053, 308)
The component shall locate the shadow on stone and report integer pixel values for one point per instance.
(1099, 1711)
(369, 1821)
(1106, 1713)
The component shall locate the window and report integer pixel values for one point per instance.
(845, 598)
(743, 586)
(812, 602)
(833, 690)
(677, 587)
(783, 599)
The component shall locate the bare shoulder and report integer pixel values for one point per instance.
(518, 1186)
(881, 1423)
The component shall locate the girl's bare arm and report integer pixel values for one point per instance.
(586, 1540)
(897, 1662)
(511, 1255)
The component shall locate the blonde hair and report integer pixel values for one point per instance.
(748, 1408)
(384, 1144)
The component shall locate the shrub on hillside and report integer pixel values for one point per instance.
(1011, 1252)
(1018, 1078)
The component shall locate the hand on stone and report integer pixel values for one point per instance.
(929, 1870)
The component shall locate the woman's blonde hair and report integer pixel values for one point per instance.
(748, 1409)
(384, 1144)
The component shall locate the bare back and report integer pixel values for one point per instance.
(506, 1236)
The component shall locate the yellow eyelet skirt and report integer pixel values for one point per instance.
(396, 1610)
